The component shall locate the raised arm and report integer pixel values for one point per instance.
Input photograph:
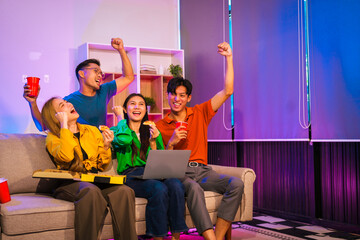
(62, 147)
(128, 74)
(119, 112)
(34, 109)
(216, 102)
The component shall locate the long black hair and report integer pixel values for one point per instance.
(144, 131)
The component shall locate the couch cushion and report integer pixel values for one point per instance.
(212, 201)
(35, 213)
(20, 156)
(110, 169)
(140, 205)
(39, 213)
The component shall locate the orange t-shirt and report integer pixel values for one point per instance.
(198, 119)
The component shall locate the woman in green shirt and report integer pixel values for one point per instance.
(132, 142)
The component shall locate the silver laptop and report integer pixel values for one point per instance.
(162, 164)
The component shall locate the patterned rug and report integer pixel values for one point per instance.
(298, 229)
(264, 227)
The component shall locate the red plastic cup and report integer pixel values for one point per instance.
(33, 83)
(4, 191)
(183, 124)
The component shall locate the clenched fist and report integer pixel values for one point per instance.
(224, 49)
(117, 43)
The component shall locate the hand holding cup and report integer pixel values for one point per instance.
(180, 133)
(181, 126)
(31, 89)
(33, 83)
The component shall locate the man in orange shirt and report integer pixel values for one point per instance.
(199, 176)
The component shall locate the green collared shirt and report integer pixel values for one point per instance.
(123, 138)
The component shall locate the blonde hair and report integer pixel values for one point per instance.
(48, 116)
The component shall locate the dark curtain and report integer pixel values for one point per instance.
(340, 181)
(285, 173)
(223, 153)
(298, 180)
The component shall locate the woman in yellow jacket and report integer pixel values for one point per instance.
(82, 148)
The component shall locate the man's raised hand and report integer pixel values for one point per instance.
(224, 49)
(117, 43)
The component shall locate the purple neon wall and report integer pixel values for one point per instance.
(266, 71)
(41, 37)
(265, 44)
(267, 59)
(334, 68)
(320, 181)
(202, 29)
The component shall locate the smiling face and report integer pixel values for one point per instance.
(60, 105)
(178, 100)
(91, 76)
(136, 109)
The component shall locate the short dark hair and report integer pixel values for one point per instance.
(179, 81)
(85, 64)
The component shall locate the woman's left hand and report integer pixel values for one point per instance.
(154, 132)
(108, 136)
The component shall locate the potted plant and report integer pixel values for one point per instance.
(150, 102)
(176, 70)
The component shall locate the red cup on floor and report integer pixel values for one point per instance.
(33, 83)
(183, 124)
(4, 191)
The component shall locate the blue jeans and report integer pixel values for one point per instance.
(166, 202)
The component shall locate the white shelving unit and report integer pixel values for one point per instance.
(149, 85)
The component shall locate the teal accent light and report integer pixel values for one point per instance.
(307, 60)
(231, 45)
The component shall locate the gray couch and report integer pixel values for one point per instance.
(33, 214)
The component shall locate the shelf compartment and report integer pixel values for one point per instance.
(150, 86)
(155, 117)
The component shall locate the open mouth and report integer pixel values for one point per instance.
(73, 111)
(136, 113)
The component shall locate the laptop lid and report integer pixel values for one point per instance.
(162, 164)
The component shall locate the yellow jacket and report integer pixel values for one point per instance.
(66, 150)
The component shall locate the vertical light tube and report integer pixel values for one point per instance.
(231, 45)
(307, 59)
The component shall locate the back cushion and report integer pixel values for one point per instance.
(111, 168)
(20, 156)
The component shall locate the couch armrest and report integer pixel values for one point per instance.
(240, 172)
(248, 176)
